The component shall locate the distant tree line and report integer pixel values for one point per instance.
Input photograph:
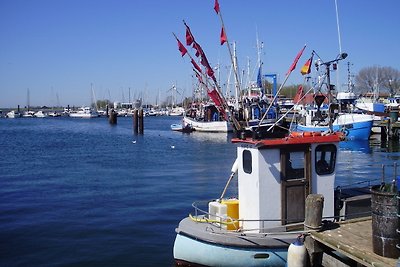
(369, 79)
(386, 79)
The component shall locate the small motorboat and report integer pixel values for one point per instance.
(180, 128)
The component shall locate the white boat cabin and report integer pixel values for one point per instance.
(276, 175)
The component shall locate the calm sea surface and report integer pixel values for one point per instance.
(76, 192)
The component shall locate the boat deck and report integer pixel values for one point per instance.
(353, 239)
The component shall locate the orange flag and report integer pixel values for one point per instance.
(306, 69)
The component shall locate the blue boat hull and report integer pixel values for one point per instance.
(194, 251)
(353, 131)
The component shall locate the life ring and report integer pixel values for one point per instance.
(345, 131)
(296, 134)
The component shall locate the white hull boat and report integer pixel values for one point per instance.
(208, 126)
(13, 114)
(84, 112)
(40, 114)
(256, 229)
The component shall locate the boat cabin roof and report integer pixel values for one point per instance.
(294, 138)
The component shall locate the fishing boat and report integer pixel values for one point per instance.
(329, 115)
(208, 119)
(274, 177)
(217, 126)
(355, 126)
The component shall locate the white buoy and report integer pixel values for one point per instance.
(297, 254)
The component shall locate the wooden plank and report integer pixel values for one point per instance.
(354, 240)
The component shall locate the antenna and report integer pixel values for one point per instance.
(340, 43)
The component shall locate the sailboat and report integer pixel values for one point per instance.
(28, 113)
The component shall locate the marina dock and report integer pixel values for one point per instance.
(353, 239)
(389, 130)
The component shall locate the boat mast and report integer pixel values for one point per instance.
(235, 71)
(350, 84)
(93, 100)
(27, 98)
(340, 44)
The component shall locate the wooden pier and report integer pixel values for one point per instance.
(389, 130)
(353, 239)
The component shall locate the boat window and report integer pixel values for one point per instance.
(247, 162)
(325, 159)
(295, 165)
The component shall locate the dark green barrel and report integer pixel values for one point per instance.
(394, 115)
(385, 222)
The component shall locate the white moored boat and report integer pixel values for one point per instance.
(13, 114)
(40, 114)
(84, 112)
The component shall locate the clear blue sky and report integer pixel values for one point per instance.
(59, 47)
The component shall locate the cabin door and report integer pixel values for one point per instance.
(295, 178)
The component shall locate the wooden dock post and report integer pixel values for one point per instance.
(313, 213)
(313, 221)
(135, 121)
(112, 117)
(384, 135)
(141, 123)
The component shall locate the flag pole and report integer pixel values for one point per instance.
(224, 103)
(287, 112)
(273, 100)
(292, 67)
(237, 83)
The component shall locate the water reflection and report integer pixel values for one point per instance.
(356, 145)
(212, 137)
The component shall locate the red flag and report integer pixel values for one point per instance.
(199, 51)
(189, 36)
(198, 76)
(298, 95)
(306, 69)
(293, 66)
(223, 36)
(214, 95)
(210, 72)
(216, 6)
(218, 100)
(197, 67)
(205, 63)
(181, 48)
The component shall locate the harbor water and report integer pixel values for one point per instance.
(82, 192)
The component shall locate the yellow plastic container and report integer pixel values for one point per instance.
(232, 211)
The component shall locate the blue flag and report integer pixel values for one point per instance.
(259, 81)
